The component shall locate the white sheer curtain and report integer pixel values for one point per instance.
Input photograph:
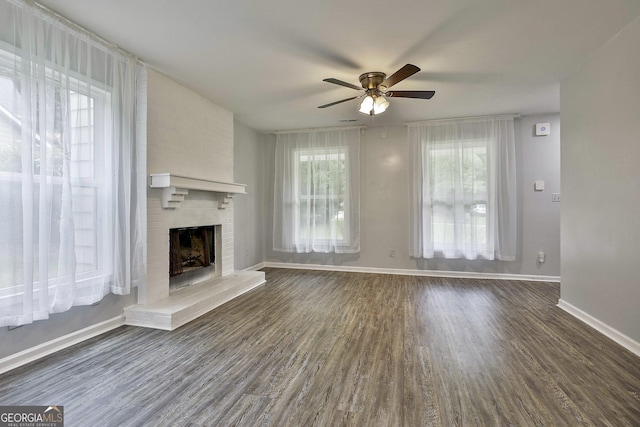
(317, 191)
(72, 207)
(463, 188)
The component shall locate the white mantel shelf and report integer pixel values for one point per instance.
(176, 187)
(166, 180)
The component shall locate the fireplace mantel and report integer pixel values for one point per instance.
(175, 188)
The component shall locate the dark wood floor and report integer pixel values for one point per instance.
(326, 348)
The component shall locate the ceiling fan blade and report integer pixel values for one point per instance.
(337, 102)
(404, 72)
(421, 94)
(341, 83)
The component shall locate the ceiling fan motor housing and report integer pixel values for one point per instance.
(372, 80)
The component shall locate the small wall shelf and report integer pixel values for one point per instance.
(175, 188)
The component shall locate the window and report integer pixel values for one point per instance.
(71, 201)
(458, 176)
(316, 207)
(321, 182)
(463, 189)
(86, 179)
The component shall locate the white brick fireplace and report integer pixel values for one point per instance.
(190, 162)
(189, 208)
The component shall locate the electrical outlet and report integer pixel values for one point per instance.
(392, 253)
(555, 197)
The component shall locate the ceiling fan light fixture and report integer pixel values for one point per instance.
(380, 105)
(366, 105)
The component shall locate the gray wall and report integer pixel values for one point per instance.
(248, 210)
(58, 325)
(540, 217)
(384, 205)
(600, 104)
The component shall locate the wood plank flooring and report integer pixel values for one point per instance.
(331, 349)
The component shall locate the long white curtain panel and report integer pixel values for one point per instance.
(463, 189)
(317, 191)
(71, 204)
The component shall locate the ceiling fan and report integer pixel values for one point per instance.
(376, 87)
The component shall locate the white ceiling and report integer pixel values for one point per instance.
(265, 60)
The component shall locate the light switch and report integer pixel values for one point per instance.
(538, 185)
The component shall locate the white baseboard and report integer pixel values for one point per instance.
(29, 355)
(409, 272)
(617, 336)
(256, 267)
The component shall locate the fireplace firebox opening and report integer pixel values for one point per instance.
(191, 250)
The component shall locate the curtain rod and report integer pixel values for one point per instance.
(280, 132)
(496, 116)
(78, 30)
